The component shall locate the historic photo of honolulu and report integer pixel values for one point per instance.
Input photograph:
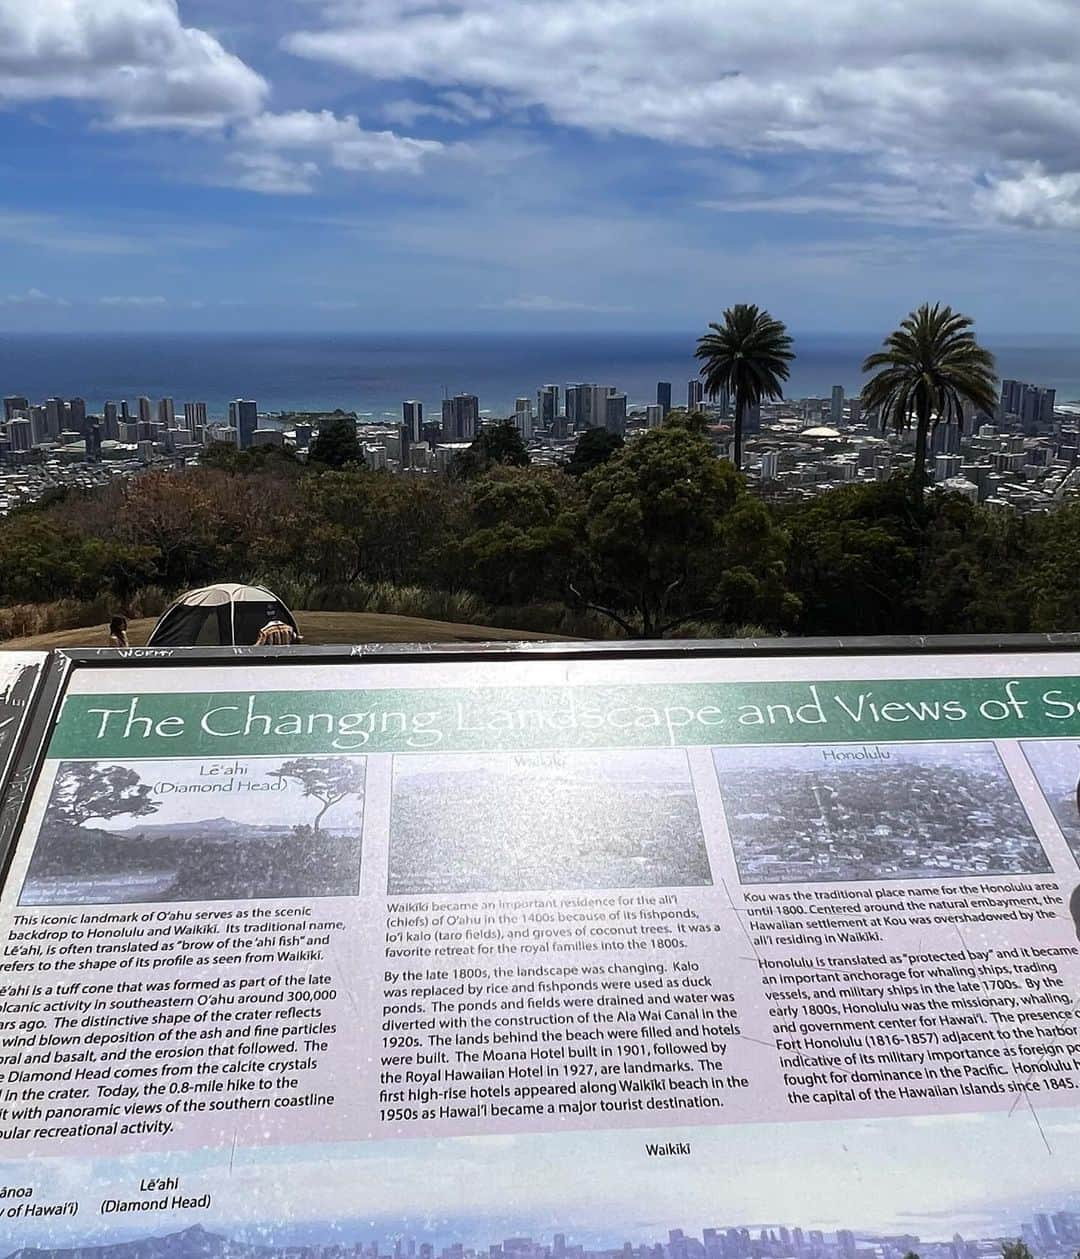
(844, 813)
(541, 821)
(145, 831)
(1056, 765)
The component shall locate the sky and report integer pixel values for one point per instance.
(980, 1174)
(522, 165)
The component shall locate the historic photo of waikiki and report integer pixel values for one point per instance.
(187, 830)
(844, 813)
(540, 821)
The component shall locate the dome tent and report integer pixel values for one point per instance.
(226, 615)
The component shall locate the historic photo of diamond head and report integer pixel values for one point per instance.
(544, 821)
(146, 831)
(845, 813)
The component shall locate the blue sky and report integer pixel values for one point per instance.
(536, 164)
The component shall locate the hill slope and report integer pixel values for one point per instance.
(317, 627)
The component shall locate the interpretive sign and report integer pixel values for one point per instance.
(664, 957)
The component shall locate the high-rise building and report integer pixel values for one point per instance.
(39, 425)
(112, 422)
(412, 419)
(20, 434)
(93, 443)
(945, 440)
(695, 392)
(855, 411)
(547, 407)
(579, 407)
(15, 403)
(166, 412)
(654, 415)
(145, 411)
(751, 421)
(125, 414)
(836, 406)
(770, 461)
(195, 415)
(663, 396)
(523, 418)
(55, 417)
(244, 417)
(615, 413)
(460, 417)
(76, 414)
(845, 1242)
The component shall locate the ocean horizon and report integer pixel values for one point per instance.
(374, 373)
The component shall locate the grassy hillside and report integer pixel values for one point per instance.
(317, 628)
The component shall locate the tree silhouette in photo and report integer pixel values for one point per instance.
(330, 781)
(85, 791)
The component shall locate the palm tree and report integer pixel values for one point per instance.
(929, 368)
(746, 356)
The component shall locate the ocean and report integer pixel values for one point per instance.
(373, 374)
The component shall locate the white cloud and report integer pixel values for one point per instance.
(1033, 198)
(542, 304)
(34, 298)
(135, 302)
(921, 103)
(269, 173)
(135, 59)
(339, 141)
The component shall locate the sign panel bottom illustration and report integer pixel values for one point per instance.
(662, 958)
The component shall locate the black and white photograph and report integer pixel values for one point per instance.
(845, 813)
(148, 831)
(542, 821)
(1056, 765)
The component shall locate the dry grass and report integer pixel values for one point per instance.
(317, 627)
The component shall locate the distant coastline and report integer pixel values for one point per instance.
(374, 373)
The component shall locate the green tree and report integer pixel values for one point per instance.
(85, 790)
(594, 446)
(336, 444)
(227, 458)
(670, 535)
(928, 369)
(1051, 577)
(496, 445)
(519, 538)
(748, 356)
(854, 560)
(328, 780)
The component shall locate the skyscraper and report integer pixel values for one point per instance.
(523, 418)
(751, 420)
(654, 415)
(615, 413)
(15, 402)
(244, 417)
(663, 396)
(20, 434)
(112, 422)
(195, 415)
(461, 417)
(76, 414)
(695, 392)
(579, 407)
(55, 416)
(145, 416)
(547, 407)
(836, 406)
(412, 419)
(166, 412)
